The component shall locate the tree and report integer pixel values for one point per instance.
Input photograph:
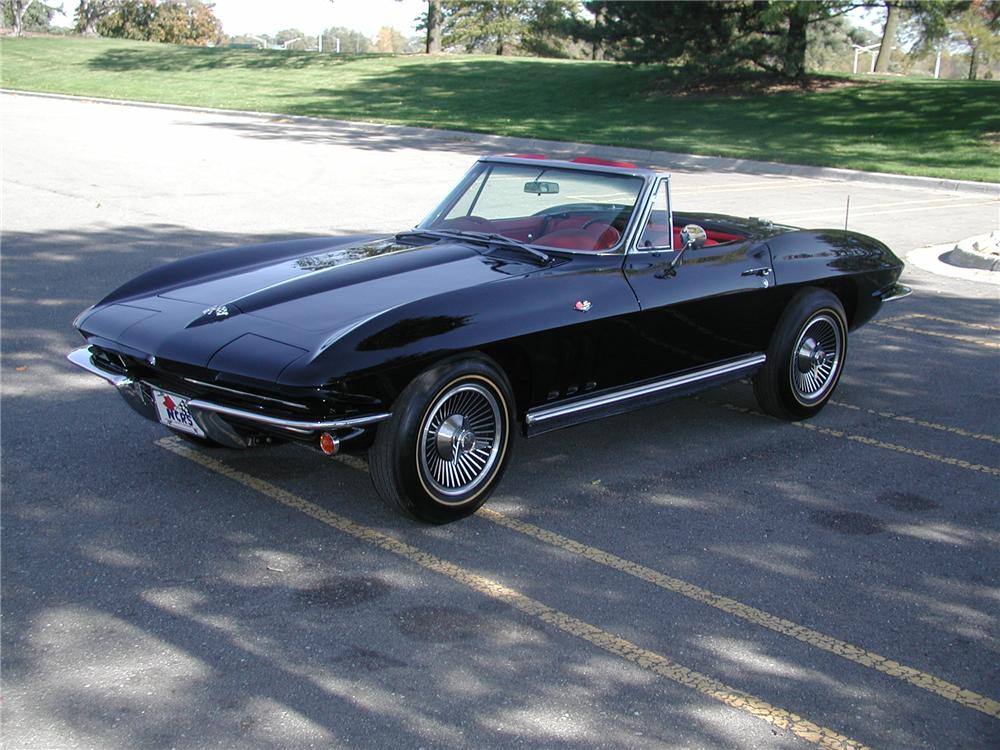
(481, 25)
(506, 26)
(130, 19)
(714, 36)
(17, 10)
(549, 30)
(171, 22)
(432, 22)
(925, 22)
(288, 38)
(978, 28)
(27, 15)
(185, 22)
(89, 12)
(888, 37)
(830, 44)
(390, 40)
(351, 42)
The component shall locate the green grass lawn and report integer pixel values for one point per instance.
(922, 127)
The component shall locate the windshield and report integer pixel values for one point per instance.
(546, 206)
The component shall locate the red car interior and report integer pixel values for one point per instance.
(581, 232)
(656, 236)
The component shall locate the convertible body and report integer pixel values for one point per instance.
(580, 286)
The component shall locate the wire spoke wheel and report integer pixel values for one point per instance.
(816, 358)
(460, 440)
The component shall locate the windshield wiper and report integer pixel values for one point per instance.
(489, 237)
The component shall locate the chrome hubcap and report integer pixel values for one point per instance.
(816, 359)
(462, 435)
(453, 439)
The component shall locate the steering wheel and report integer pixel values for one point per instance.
(593, 221)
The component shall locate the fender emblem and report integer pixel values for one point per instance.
(219, 311)
(583, 305)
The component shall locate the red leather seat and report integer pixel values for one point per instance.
(594, 238)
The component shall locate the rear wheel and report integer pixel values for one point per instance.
(446, 445)
(805, 357)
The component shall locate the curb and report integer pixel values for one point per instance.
(968, 254)
(661, 159)
(929, 259)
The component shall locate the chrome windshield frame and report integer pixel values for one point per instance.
(640, 207)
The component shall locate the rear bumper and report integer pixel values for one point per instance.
(219, 421)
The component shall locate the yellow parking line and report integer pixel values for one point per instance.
(609, 642)
(774, 184)
(864, 440)
(877, 208)
(920, 422)
(952, 321)
(848, 651)
(865, 214)
(856, 654)
(891, 323)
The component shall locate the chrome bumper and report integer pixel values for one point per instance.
(205, 412)
(81, 358)
(894, 292)
(297, 425)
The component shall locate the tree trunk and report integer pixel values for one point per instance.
(597, 50)
(795, 43)
(433, 26)
(17, 9)
(888, 38)
(973, 64)
(87, 16)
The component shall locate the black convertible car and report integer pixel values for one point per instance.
(539, 293)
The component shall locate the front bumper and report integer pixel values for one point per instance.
(222, 423)
(894, 292)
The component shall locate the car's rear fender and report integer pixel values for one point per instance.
(853, 266)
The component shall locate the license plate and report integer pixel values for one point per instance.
(173, 412)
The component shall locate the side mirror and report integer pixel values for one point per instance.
(692, 236)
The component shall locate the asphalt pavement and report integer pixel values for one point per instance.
(692, 575)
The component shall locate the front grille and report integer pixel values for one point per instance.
(197, 382)
(108, 360)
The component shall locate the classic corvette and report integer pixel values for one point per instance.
(540, 293)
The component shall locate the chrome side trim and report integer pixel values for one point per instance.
(894, 292)
(82, 358)
(287, 424)
(542, 414)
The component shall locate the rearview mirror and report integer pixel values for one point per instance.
(541, 188)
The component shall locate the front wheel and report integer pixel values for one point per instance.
(805, 357)
(444, 448)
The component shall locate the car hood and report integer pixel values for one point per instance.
(281, 311)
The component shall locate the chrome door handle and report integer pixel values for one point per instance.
(766, 271)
